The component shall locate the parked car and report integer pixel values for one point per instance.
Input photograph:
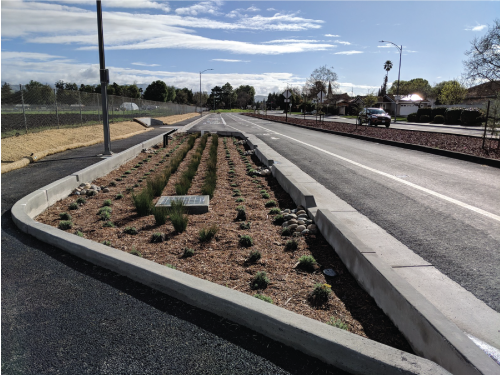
(374, 116)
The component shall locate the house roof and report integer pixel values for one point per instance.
(484, 90)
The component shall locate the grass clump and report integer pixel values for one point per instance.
(246, 241)
(107, 202)
(130, 230)
(265, 195)
(170, 266)
(104, 215)
(254, 256)
(270, 203)
(79, 234)
(178, 216)
(264, 298)
(104, 209)
(157, 237)
(188, 252)
(210, 182)
(182, 187)
(240, 200)
(286, 232)
(207, 233)
(321, 292)
(119, 196)
(160, 215)
(136, 252)
(112, 183)
(274, 211)
(143, 201)
(73, 206)
(65, 224)
(307, 262)
(234, 185)
(241, 213)
(260, 280)
(108, 224)
(64, 216)
(106, 242)
(279, 219)
(245, 225)
(292, 245)
(237, 194)
(81, 200)
(338, 323)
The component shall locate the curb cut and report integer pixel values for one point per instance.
(436, 151)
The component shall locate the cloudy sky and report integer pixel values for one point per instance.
(263, 43)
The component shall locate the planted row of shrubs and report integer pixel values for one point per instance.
(464, 116)
(210, 182)
(184, 183)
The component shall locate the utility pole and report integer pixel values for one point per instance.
(104, 75)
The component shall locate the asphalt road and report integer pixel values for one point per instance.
(475, 131)
(62, 315)
(445, 210)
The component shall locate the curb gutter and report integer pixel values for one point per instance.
(342, 349)
(410, 146)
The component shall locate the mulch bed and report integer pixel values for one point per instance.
(450, 142)
(222, 260)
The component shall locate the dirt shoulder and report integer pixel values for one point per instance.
(16, 150)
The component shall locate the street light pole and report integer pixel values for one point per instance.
(399, 72)
(201, 108)
(104, 75)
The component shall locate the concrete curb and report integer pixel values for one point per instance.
(429, 332)
(342, 349)
(435, 151)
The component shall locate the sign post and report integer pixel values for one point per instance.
(287, 95)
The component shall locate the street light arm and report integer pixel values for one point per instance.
(394, 44)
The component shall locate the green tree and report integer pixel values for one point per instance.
(6, 93)
(38, 93)
(417, 86)
(227, 95)
(452, 93)
(483, 63)
(156, 91)
(171, 94)
(248, 98)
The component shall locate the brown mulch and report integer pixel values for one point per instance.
(450, 142)
(222, 260)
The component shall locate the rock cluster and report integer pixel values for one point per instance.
(242, 142)
(297, 222)
(249, 152)
(148, 150)
(89, 189)
(262, 171)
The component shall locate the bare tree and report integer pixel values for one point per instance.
(483, 63)
(319, 79)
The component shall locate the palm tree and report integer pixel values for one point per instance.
(388, 66)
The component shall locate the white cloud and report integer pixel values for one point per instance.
(210, 7)
(144, 64)
(332, 36)
(229, 60)
(137, 4)
(342, 42)
(347, 52)
(252, 9)
(385, 46)
(294, 41)
(270, 9)
(409, 51)
(476, 28)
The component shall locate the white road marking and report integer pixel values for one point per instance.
(415, 186)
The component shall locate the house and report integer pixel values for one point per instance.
(480, 94)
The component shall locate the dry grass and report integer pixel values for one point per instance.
(57, 140)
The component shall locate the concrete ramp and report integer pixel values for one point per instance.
(148, 121)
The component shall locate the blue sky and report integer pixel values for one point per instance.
(263, 43)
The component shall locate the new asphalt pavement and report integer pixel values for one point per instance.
(62, 315)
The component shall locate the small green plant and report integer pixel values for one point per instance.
(140, 180)
(241, 213)
(292, 245)
(64, 216)
(107, 202)
(255, 181)
(246, 241)
(245, 225)
(160, 215)
(130, 189)
(264, 298)
(119, 196)
(234, 185)
(104, 215)
(65, 224)
(171, 266)
(130, 230)
(265, 195)
(79, 234)
(91, 193)
(108, 224)
(260, 280)
(104, 209)
(136, 185)
(135, 252)
(286, 232)
(157, 237)
(123, 176)
(119, 179)
(321, 292)
(106, 242)
(188, 252)
(128, 172)
(138, 165)
(307, 262)
(178, 217)
(73, 206)
(274, 211)
(338, 323)
(237, 194)
(81, 200)
(254, 256)
(240, 200)
(112, 183)
(270, 204)
(206, 234)
(263, 191)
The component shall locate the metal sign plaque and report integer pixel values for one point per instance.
(195, 204)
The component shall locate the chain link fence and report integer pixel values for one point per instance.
(32, 109)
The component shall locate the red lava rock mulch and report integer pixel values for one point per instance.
(222, 260)
(450, 142)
